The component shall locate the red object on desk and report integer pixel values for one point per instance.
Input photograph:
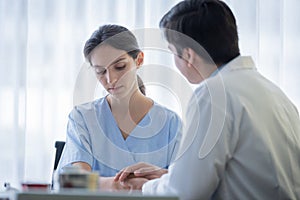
(35, 186)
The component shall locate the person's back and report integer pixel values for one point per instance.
(242, 137)
(265, 161)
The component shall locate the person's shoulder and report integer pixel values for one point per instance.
(170, 117)
(204, 88)
(89, 106)
(166, 110)
(157, 105)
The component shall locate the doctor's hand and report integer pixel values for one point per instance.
(142, 170)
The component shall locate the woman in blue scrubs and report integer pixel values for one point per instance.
(125, 127)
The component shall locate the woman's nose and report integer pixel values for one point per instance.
(111, 77)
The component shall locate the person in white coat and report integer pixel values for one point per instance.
(242, 137)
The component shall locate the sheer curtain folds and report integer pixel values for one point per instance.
(41, 56)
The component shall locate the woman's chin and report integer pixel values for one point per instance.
(118, 92)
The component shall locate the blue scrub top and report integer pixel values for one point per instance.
(94, 137)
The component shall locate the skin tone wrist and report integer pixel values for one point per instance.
(108, 184)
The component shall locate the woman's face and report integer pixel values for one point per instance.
(115, 70)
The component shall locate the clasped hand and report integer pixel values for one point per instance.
(133, 177)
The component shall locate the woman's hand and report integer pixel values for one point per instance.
(141, 170)
(134, 183)
(108, 184)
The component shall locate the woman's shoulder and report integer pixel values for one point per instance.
(168, 117)
(89, 106)
(157, 107)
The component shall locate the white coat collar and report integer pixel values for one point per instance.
(239, 63)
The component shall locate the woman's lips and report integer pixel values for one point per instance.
(114, 89)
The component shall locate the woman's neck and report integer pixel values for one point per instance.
(122, 105)
(128, 112)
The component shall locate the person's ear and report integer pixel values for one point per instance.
(189, 55)
(140, 59)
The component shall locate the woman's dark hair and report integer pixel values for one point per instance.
(141, 85)
(208, 22)
(116, 36)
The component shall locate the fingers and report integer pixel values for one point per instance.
(135, 183)
(124, 186)
(124, 173)
(144, 170)
(150, 172)
(117, 176)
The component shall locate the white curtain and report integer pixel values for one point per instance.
(41, 56)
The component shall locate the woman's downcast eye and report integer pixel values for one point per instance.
(120, 66)
(100, 71)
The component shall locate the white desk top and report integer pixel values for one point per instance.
(86, 195)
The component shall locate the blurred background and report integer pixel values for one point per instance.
(41, 62)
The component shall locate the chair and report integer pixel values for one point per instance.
(59, 145)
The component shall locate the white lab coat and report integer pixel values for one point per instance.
(242, 141)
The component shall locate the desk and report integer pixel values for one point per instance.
(87, 195)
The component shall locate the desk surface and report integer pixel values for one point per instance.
(86, 195)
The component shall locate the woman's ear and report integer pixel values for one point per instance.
(140, 59)
(188, 55)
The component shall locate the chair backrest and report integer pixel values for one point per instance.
(59, 145)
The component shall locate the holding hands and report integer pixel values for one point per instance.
(109, 184)
(136, 175)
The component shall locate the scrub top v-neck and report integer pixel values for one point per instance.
(94, 137)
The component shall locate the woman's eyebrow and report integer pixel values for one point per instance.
(114, 62)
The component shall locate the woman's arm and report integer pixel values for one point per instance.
(107, 183)
(82, 165)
